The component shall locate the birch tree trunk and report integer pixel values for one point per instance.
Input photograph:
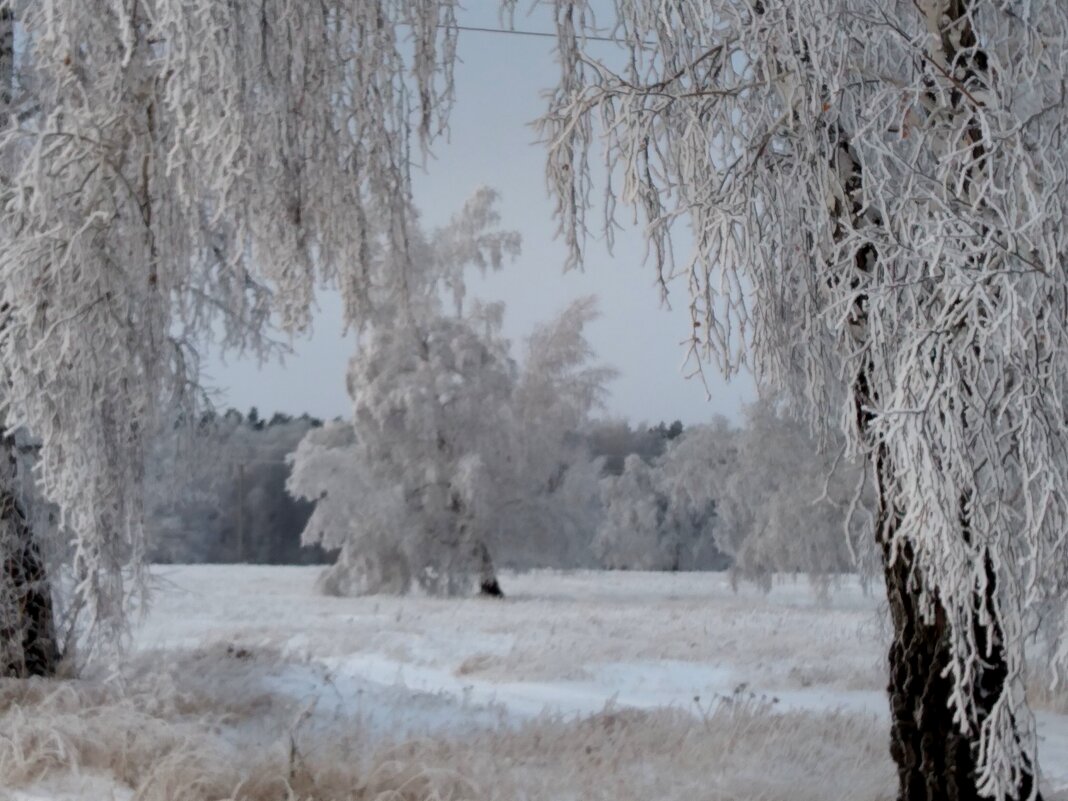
(27, 627)
(935, 760)
(28, 644)
(487, 573)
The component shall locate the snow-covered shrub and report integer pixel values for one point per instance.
(632, 534)
(766, 498)
(787, 503)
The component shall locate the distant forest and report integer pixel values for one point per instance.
(223, 497)
(645, 497)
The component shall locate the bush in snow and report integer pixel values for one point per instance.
(788, 503)
(660, 515)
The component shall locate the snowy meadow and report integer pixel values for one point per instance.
(245, 682)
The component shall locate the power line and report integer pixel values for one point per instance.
(539, 34)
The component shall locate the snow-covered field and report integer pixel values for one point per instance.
(243, 682)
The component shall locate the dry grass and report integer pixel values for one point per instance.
(240, 722)
(1043, 693)
(203, 729)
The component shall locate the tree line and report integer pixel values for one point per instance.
(648, 497)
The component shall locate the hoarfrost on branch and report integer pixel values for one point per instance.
(176, 170)
(876, 197)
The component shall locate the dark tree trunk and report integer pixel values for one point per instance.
(935, 760)
(27, 630)
(27, 627)
(488, 585)
(487, 580)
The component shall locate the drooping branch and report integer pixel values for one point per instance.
(190, 170)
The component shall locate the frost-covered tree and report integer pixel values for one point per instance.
(428, 385)
(875, 192)
(400, 490)
(690, 476)
(661, 514)
(764, 498)
(430, 416)
(548, 493)
(786, 503)
(632, 534)
(174, 170)
(454, 456)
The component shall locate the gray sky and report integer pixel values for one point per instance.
(499, 88)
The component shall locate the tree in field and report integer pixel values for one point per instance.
(452, 454)
(786, 504)
(690, 476)
(662, 514)
(174, 171)
(428, 388)
(402, 490)
(632, 534)
(429, 416)
(875, 192)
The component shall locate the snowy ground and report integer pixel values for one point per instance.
(568, 641)
(255, 659)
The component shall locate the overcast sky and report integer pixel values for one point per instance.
(499, 84)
